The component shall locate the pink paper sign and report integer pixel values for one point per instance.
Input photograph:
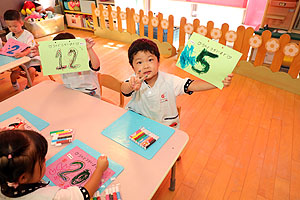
(12, 47)
(74, 169)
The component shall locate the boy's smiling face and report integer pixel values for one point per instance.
(15, 26)
(145, 65)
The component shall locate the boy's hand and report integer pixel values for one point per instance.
(89, 43)
(102, 163)
(227, 80)
(135, 82)
(18, 55)
(35, 50)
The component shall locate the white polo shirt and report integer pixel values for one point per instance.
(159, 102)
(27, 38)
(86, 81)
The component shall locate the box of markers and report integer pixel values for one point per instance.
(61, 137)
(144, 138)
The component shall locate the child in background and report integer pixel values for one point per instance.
(86, 81)
(14, 23)
(22, 166)
(153, 93)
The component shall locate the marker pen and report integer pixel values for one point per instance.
(137, 135)
(114, 193)
(152, 141)
(61, 131)
(110, 194)
(145, 138)
(64, 141)
(118, 192)
(64, 133)
(140, 138)
(106, 194)
(65, 136)
(146, 142)
(57, 140)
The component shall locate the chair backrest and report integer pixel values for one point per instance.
(110, 82)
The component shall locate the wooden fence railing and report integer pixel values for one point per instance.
(242, 40)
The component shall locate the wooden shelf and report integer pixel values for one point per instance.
(76, 12)
(110, 2)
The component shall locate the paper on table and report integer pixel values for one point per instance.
(12, 47)
(208, 59)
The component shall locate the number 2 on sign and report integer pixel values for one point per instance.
(13, 49)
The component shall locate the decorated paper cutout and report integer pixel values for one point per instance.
(207, 59)
(12, 47)
(64, 56)
(10, 123)
(74, 169)
(75, 164)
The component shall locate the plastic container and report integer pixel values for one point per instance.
(74, 20)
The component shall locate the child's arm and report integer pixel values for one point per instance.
(199, 85)
(93, 184)
(23, 53)
(93, 56)
(133, 84)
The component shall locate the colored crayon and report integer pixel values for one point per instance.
(118, 192)
(61, 131)
(145, 138)
(142, 133)
(140, 138)
(114, 193)
(137, 135)
(152, 141)
(106, 194)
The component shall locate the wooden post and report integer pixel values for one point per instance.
(133, 29)
(95, 20)
(119, 20)
(196, 24)
(261, 51)
(102, 20)
(279, 55)
(210, 26)
(110, 19)
(224, 29)
(159, 28)
(128, 20)
(240, 31)
(246, 45)
(141, 24)
(150, 27)
(295, 67)
(170, 34)
(181, 34)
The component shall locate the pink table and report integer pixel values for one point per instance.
(88, 116)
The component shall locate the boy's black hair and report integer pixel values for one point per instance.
(64, 36)
(12, 15)
(142, 44)
(19, 151)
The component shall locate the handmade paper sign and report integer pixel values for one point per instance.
(15, 121)
(207, 59)
(12, 47)
(75, 164)
(63, 56)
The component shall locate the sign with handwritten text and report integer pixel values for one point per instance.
(12, 47)
(63, 56)
(74, 169)
(13, 123)
(208, 59)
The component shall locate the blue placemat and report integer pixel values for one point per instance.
(34, 120)
(130, 122)
(117, 168)
(6, 59)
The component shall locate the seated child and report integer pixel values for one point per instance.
(14, 23)
(22, 166)
(86, 81)
(153, 93)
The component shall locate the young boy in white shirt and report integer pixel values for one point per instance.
(14, 23)
(153, 93)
